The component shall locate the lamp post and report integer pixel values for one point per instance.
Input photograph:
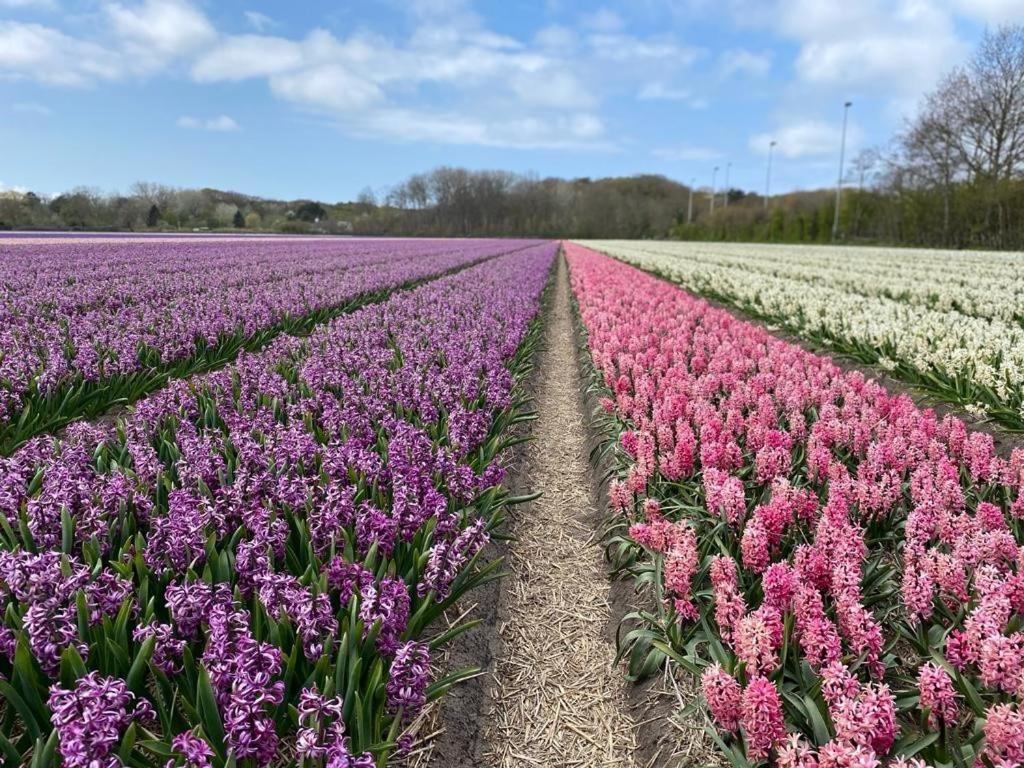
(725, 201)
(714, 189)
(839, 182)
(768, 175)
(689, 207)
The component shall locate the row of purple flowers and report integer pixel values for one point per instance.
(241, 569)
(78, 317)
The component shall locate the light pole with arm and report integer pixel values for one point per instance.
(839, 183)
(768, 175)
(714, 189)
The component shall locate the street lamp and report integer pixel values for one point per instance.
(768, 175)
(839, 183)
(726, 196)
(714, 189)
(689, 207)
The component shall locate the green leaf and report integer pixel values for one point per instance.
(209, 715)
(11, 755)
(136, 677)
(71, 667)
(45, 752)
(28, 717)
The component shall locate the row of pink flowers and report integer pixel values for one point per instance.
(818, 483)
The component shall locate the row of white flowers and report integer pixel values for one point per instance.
(956, 313)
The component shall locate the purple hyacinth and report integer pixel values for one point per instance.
(389, 604)
(91, 718)
(321, 734)
(196, 751)
(189, 604)
(178, 538)
(374, 526)
(341, 434)
(409, 676)
(47, 584)
(244, 675)
(347, 579)
(447, 559)
(283, 597)
(167, 649)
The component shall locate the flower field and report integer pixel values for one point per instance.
(249, 488)
(947, 322)
(841, 570)
(88, 322)
(243, 567)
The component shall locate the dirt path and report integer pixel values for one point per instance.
(556, 699)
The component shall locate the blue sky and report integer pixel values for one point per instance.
(322, 99)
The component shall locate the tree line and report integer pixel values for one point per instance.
(451, 202)
(952, 177)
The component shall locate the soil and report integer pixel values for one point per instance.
(551, 694)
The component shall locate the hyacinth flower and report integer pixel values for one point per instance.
(833, 521)
(294, 520)
(103, 321)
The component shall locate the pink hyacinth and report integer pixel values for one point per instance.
(841, 754)
(869, 720)
(762, 717)
(652, 509)
(619, 495)
(724, 495)
(937, 694)
(838, 683)
(758, 637)
(1001, 661)
(779, 584)
(816, 633)
(1004, 734)
(796, 753)
(680, 566)
(755, 547)
(723, 694)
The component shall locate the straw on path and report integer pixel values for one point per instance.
(558, 699)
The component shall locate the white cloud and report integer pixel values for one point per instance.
(329, 86)
(221, 123)
(660, 91)
(158, 30)
(32, 107)
(565, 132)
(7, 189)
(451, 79)
(688, 153)
(807, 139)
(46, 5)
(258, 21)
(557, 38)
(142, 39)
(897, 48)
(245, 56)
(497, 90)
(623, 48)
(33, 51)
(603, 20)
(991, 11)
(558, 89)
(743, 62)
